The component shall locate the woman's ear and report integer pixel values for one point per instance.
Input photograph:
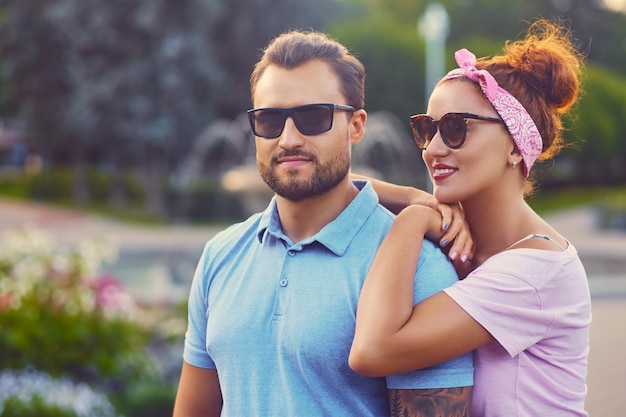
(515, 157)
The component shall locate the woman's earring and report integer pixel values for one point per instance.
(514, 164)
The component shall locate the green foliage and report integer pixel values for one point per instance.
(611, 210)
(205, 200)
(55, 316)
(602, 105)
(148, 399)
(392, 55)
(16, 185)
(83, 344)
(35, 407)
(599, 30)
(55, 186)
(609, 203)
(564, 198)
(597, 149)
(124, 76)
(59, 318)
(384, 34)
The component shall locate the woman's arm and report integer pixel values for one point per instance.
(391, 334)
(454, 238)
(396, 197)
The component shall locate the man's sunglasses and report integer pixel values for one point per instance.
(452, 126)
(310, 119)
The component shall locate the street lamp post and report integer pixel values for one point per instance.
(434, 27)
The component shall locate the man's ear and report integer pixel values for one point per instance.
(357, 126)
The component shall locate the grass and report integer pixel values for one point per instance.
(555, 200)
(612, 199)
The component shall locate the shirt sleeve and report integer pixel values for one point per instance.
(195, 352)
(435, 273)
(504, 296)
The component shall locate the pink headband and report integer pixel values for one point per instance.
(517, 120)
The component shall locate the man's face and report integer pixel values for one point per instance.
(294, 165)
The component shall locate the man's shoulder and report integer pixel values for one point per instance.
(236, 232)
(378, 220)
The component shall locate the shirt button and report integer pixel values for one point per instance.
(291, 253)
(283, 282)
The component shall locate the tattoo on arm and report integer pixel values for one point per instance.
(448, 402)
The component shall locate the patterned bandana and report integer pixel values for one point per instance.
(517, 120)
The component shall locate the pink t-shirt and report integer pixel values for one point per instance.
(537, 306)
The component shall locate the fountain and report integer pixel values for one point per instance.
(225, 152)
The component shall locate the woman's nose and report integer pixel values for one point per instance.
(436, 146)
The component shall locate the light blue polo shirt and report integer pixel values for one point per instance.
(276, 318)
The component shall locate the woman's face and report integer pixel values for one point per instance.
(479, 164)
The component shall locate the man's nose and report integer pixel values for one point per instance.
(290, 137)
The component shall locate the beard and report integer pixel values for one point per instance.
(324, 178)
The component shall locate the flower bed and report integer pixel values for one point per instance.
(59, 318)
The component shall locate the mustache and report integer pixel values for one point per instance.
(292, 153)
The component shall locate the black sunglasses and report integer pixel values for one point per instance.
(452, 126)
(310, 119)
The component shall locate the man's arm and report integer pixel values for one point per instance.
(199, 393)
(448, 402)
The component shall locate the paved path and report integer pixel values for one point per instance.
(71, 226)
(607, 360)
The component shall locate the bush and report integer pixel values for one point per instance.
(59, 317)
(53, 185)
(148, 399)
(55, 315)
(15, 185)
(204, 201)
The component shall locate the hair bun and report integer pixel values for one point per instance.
(549, 63)
(543, 71)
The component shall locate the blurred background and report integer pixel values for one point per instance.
(124, 146)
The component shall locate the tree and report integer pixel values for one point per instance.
(132, 82)
(384, 33)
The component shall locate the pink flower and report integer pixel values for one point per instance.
(109, 293)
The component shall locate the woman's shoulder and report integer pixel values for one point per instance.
(536, 267)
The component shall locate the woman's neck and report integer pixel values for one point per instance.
(497, 222)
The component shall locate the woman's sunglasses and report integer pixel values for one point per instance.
(310, 119)
(452, 126)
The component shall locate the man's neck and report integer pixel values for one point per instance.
(304, 218)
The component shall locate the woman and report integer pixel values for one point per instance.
(524, 306)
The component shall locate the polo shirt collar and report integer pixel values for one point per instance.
(338, 234)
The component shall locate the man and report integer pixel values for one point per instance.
(273, 302)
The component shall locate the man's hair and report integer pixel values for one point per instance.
(295, 48)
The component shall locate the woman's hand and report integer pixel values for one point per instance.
(453, 234)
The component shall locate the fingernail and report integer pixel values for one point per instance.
(464, 258)
(453, 255)
(445, 227)
(444, 243)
